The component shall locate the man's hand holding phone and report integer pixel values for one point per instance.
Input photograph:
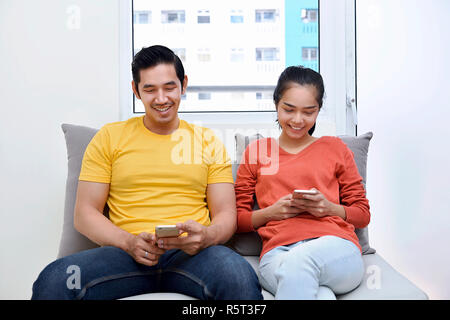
(143, 248)
(195, 239)
(164, 231)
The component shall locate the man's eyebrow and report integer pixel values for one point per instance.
(170, 83)
(292, 106)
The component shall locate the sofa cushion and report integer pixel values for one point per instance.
(380, 282)
(250, 243)
(77, 139)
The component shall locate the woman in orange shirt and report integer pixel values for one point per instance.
(310, 249)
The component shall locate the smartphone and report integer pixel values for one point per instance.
(169, 230)
(298, 194)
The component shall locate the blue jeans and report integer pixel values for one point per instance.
(216, 272)
(312, 269)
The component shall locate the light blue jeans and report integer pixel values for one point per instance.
(312, 269)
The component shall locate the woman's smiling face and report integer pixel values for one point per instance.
(297, 110)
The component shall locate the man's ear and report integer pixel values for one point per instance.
(135, 90)
(185, 82)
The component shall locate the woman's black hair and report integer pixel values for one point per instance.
(301, 76)
(152, 56)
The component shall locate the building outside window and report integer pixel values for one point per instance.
(239, 56)
(248, 43)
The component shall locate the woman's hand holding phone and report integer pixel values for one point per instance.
(317, 204)
(283, 209)
(280, 210)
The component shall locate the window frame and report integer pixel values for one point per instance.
(337, 56)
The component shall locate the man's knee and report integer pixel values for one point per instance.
(65, 278)
(233, 276)
(58, 281)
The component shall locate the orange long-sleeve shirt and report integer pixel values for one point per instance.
(270, 173)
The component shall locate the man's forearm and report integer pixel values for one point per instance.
(221, 229)
(99, 229)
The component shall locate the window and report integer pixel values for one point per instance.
(203, 55)
(309, 15)
(309, 54)
(181, 53)
(237, 55)
(265, 15)
(172, 16)
(264, 95)
(204, 96)
(237, 16)
(203, 16)
(142, 17)
(267, 54)
(239, 73)
(222, 66)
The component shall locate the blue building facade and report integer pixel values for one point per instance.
(302, 33)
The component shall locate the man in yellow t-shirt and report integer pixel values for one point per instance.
(154, 170)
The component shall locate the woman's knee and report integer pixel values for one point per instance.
(296, 263)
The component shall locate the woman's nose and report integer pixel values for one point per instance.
(298, 118)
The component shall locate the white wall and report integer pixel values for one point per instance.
(404, 98)
(52, 72)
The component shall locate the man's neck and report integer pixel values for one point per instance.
(161, 129)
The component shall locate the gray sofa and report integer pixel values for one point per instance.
(381, 281)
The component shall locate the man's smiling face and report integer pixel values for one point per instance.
(160, 91)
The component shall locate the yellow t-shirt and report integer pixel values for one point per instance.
(155, 179)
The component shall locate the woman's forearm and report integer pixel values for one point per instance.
(338, 210)
(261, 217)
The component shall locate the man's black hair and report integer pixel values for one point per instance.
(153, 56)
